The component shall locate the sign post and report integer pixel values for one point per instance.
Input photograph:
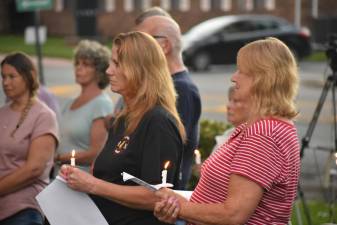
(35, 6)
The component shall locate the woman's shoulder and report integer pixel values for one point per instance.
(104, 97)
(268, 126)
(102, 100)
(4, 108)
(158, 116)
(41, 108)
(158, 119)
(157, 113)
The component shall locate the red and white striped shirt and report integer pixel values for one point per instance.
(267, 152)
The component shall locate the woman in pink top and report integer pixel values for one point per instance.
(253, 177)
(27, 143)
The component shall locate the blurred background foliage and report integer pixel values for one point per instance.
(208, 130)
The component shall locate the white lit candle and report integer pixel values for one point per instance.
(197, 157)
(336, 157)
(164, 173)
(72, 159)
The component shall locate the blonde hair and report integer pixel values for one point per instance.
(275, 77)
(148, 79)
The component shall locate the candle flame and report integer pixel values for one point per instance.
(166, 164)
(197, 152)
(73, 153)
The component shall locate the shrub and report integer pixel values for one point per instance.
(208, 130)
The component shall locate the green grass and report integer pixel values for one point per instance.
(316, 57)
(57, 47)
(54, 47)
(319, 213)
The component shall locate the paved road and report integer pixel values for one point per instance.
(213, 86)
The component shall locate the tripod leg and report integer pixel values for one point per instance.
(304, 204)
(333, 175)
(327, 170)
(332, 199)
(333, 89)
(306, 139)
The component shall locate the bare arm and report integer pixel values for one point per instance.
(243, 197)
(130, 196)
(40, 151)
(98, 136)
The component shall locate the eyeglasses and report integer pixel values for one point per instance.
(158, 36)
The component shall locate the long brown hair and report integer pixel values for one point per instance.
(25, 67)
(148, 79)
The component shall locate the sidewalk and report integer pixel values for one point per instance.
(47, 61)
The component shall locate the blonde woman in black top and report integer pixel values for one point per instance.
(143, 136)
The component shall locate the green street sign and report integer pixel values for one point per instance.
(32, 5)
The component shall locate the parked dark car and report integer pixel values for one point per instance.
(217, 40)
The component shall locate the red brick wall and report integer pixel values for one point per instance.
(110, 24)
(59, 23)
(327, 8)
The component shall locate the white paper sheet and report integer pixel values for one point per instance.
(185, 194)
(126, 176)
(64, 206)
(156, 187)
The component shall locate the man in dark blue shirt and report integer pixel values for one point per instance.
(167, 32)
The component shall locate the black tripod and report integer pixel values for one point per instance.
(330, 83)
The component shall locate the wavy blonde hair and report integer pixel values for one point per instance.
(148, 79)
(275, 77)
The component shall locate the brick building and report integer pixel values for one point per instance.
(106, 18)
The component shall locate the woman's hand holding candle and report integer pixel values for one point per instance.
(78, 179)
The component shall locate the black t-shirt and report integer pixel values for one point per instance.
(155, 141)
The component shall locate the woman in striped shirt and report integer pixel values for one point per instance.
(253, 177)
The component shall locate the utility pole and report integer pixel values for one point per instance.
(35, 6)
(314, 8)
(38, 45)
(297, 16)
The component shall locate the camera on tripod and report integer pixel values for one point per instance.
(331, 52)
